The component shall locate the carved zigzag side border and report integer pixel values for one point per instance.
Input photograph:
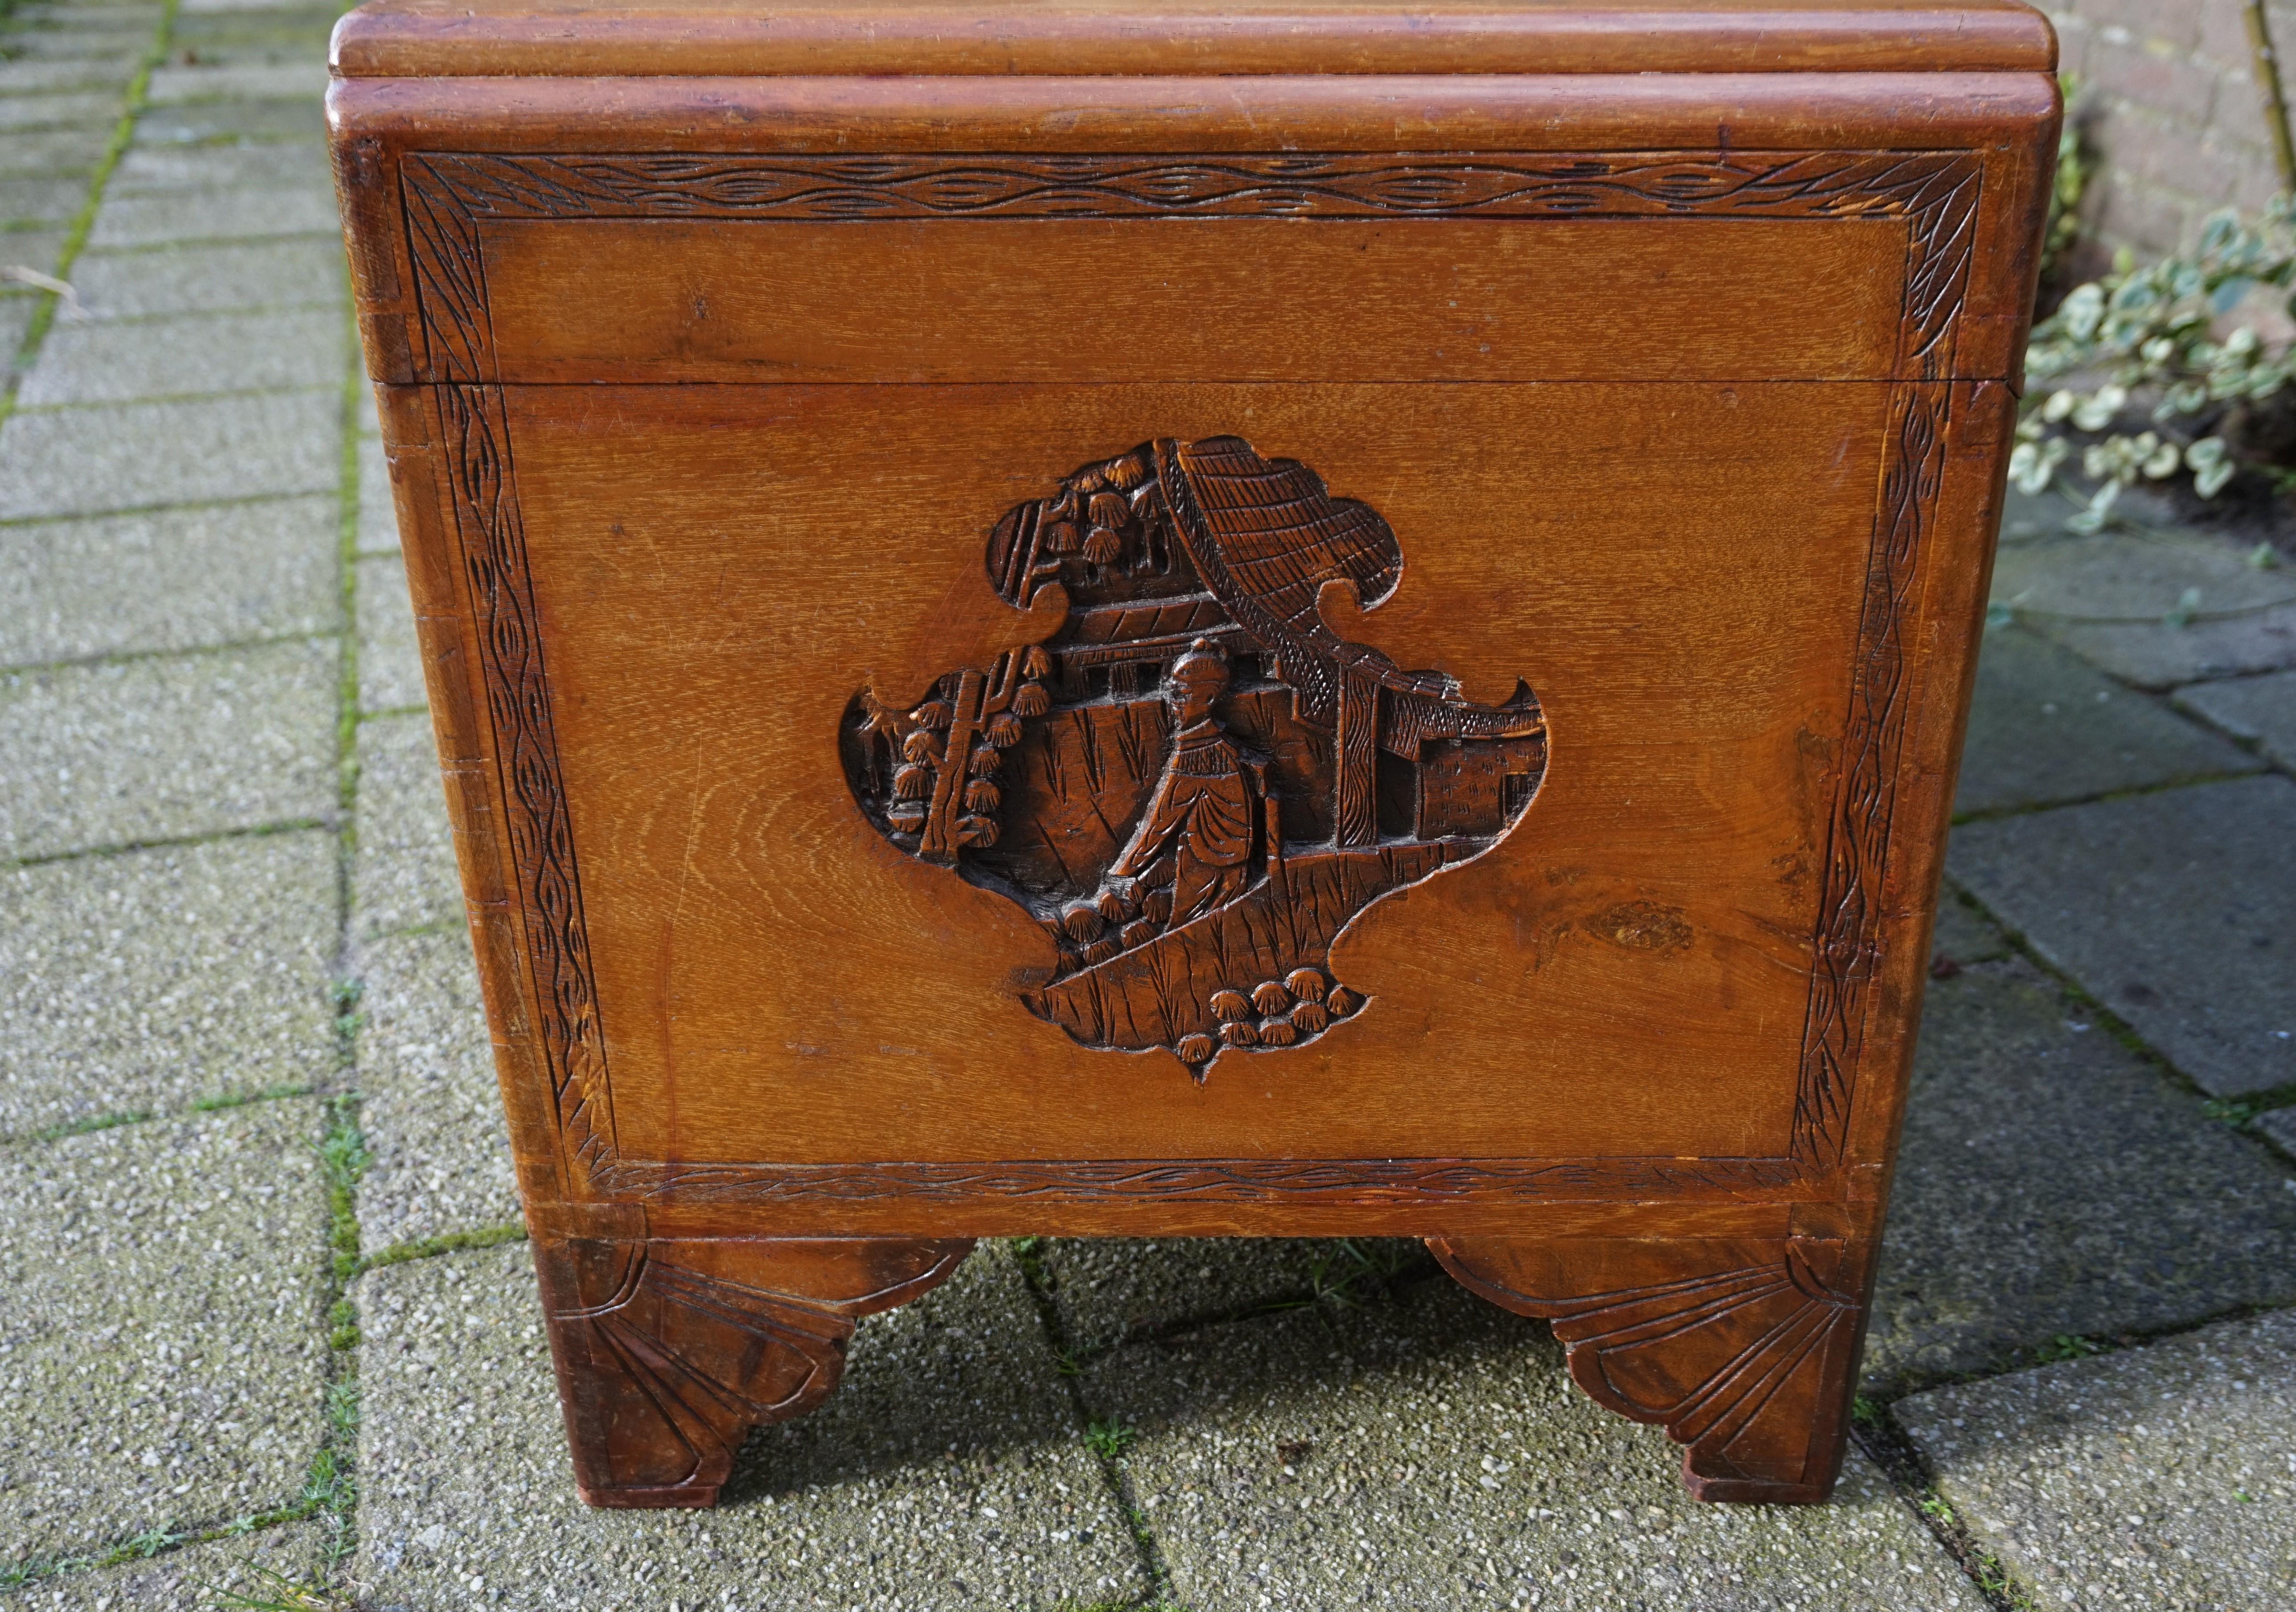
(445, 194)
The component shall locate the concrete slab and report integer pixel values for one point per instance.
(95, 71)
(2261, 711)
(276, 81)
(132, 751)
(250, 1565)
(134, 456)
(2155, 1477)
(378, 518)
(119, 362)
(1962, 934)
(2112, 597)
(163, 169)
(2050, 1183)
(301, 272)
(262, 1568)
(2177, 910)
(214, 215)
(2279, 1126)
(390, 661)
(41, 201)
(1430, 1452)
(166, 1353)
(947, 1471)
(439, 1156)
(58, 112)
(147, 981)
(220, 121)
(39, 249)
(2045, 727)
(55, 150)
(176, 578)
(404, 876)
(1111, 1289)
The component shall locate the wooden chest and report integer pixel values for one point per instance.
(1212, 620)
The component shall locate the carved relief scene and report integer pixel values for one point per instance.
(1195, 784)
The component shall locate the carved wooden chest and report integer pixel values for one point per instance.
(1322, 620)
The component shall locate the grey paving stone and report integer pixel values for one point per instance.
(1965, 935)
(158, 169)
(56, 112)
(119, 362)
(55, 150)
(2280, 1125)
(133, 456)
(32, 248)
(369, 419)
(257, 1566)
(1110, 1289)
(378, 518)
(41, 200)
(223, 120)
(2176, 910)
(100, 69)
(947, 1471)
(172, 579)
(1431, 1453)
(2155, 1477)
(166, 1354)
(136, 751)
(212, 279)
(404, 875)
(2046, 727)
(439, 1151)
(2261, 711)
(390, 661)
(15, 323)
(2109, 596)
(153, 218)
(2050, 1183)
(147, 981)
(275, 81)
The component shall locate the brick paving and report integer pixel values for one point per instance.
(268, 1326)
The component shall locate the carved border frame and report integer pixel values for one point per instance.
(446, 196)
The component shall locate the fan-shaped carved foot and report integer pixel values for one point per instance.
(1745, 1351)
(668, 1352)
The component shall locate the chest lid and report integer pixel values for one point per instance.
(707, 38)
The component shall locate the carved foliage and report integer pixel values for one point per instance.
(668, 1352)
(1743, 1349)
(1195, 784)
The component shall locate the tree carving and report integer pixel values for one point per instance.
(668, 1352)
(1745, 1351)
(1195, 783)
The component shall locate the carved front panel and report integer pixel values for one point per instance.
(1196, 783)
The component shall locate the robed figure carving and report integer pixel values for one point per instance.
(1196, 836)
(1195, 784)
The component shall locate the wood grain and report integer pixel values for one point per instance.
(778, 433)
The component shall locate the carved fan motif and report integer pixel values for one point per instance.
(1195, 783)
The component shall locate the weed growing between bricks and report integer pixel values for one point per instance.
(1107, 1439)
(1885, 1443)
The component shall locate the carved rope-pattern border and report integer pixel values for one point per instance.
(1843, 953)
(1385, 1182)
(549, 895)
(1935, 193)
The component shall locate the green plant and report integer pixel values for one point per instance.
(2067, 1345)
(2147, 335)
(1109, 1439)
(2071, 183)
